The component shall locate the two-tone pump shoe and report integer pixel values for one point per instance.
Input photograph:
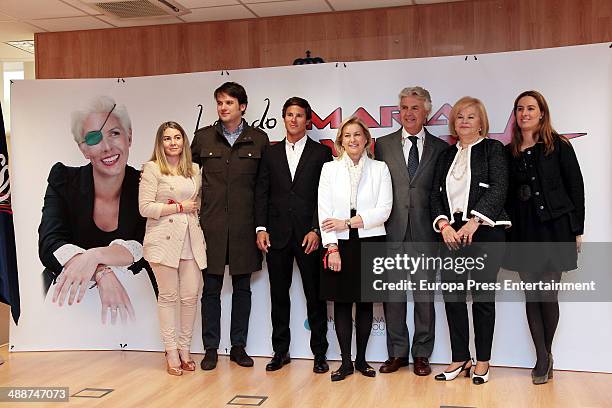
(480, 379)
(451, 375)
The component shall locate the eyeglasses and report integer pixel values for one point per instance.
(94, 137)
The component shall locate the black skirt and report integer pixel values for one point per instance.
(345, 286)
(554, 243)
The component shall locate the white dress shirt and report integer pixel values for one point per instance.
(407, 144)
(294, 152)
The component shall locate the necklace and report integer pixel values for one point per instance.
(461, 164)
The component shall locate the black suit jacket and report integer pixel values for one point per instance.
(67, 217)
(285, 207)
(488, 183)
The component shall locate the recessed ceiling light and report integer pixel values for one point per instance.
(23, 45)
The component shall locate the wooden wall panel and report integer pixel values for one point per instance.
(469, 27)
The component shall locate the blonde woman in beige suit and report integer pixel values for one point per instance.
(174, 243)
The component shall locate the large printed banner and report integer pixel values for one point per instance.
(575, 80)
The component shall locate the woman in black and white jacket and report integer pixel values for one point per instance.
(467, 206)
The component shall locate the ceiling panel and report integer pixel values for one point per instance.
(218, 13)
(206, 3)
(367, 4)
(33, 9)
(82, 6)
(16, 31)
(285, 8)
(264, 1)
(133, 22)
(71, 24)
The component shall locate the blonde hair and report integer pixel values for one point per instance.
(463, 103)
(353, 120)
(99, 104)
(185, 166)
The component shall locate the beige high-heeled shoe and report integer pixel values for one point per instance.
(173, 370)
(187, 365)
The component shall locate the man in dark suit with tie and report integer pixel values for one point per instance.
(411, 154)
(287, 220)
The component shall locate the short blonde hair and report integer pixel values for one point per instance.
(353, 120)
(463, 103)
(185, 166)
(99, 104)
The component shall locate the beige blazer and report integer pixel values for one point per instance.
(164, 235)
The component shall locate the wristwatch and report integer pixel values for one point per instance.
(348, 223)
(316, 231)
(478, 220)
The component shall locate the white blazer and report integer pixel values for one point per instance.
(374, 198)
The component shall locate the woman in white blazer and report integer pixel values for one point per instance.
(174, 242)
(355, 199)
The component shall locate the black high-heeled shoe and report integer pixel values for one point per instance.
(365, 369)
(451, 375)
(543, 379)
(344, 371)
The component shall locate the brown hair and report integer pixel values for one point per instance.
(353, 120)
(545, 133)
(185, 167)
(464, 103)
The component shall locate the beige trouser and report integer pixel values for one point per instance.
(173, 284)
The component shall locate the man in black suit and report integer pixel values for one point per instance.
(287, 220)
(411, 154)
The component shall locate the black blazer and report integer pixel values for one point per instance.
(67, 217)
(288, 207)
(488, 184)
(559, 179)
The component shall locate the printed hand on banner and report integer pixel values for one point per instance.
(76, 276)
(113, 296)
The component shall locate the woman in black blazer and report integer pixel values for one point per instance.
(90, 220)
(467, 206)
(546, 205)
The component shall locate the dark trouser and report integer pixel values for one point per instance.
(398, 340)
(211, 310)
(483, 305)
(343, 317)
(280, 272)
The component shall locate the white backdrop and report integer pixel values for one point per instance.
(576, 81)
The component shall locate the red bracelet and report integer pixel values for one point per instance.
(329, 251)
(444, 226)
(180, 207)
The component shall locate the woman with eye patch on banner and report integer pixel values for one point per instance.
(91, 232)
